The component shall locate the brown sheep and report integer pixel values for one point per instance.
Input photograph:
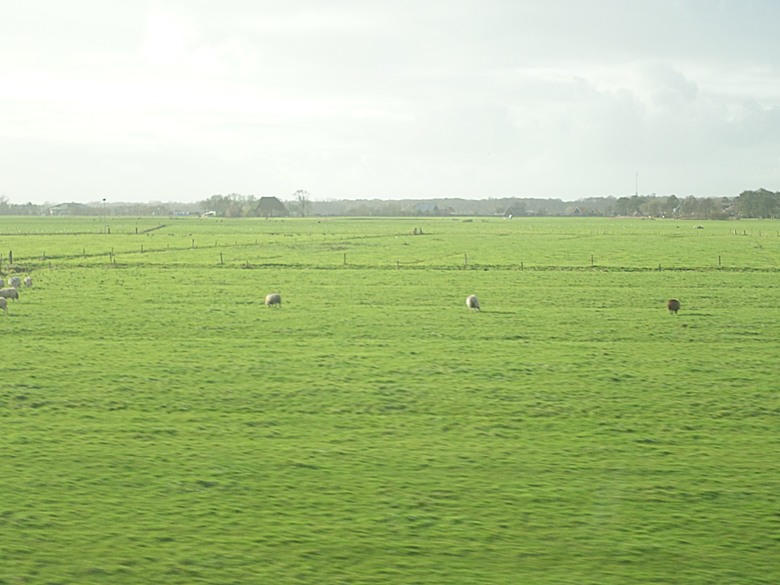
(673, 305)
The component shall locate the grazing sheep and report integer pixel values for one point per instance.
(9, 293)
(4, 305)
(15, 282)
(273, 299)
(28, 281)
(472, 302)
(673, 305)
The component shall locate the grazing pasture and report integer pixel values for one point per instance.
(161, 425)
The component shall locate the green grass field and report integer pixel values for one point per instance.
(161, 425)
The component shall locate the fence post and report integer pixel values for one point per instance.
(221, 261)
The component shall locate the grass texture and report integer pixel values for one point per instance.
(161, 425)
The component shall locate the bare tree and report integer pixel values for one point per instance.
(302, 197)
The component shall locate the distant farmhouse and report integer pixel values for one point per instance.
(69, 209)
(271, 207)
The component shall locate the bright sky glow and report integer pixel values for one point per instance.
(179, 100)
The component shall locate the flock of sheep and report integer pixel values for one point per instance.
(271, 300)
(472, 302)
(12, 292)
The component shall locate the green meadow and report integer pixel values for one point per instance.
(161, 425)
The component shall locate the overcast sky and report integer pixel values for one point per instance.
(179, 100)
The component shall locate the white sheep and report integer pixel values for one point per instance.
(273, 299)
(28, 281)
(15, 282)
(472, 302)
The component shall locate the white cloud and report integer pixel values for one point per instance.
(389, 98)
(167, 39)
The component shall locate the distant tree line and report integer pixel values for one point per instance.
(7, 208)
(759, 203)
(97, 208)
(749, 204)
